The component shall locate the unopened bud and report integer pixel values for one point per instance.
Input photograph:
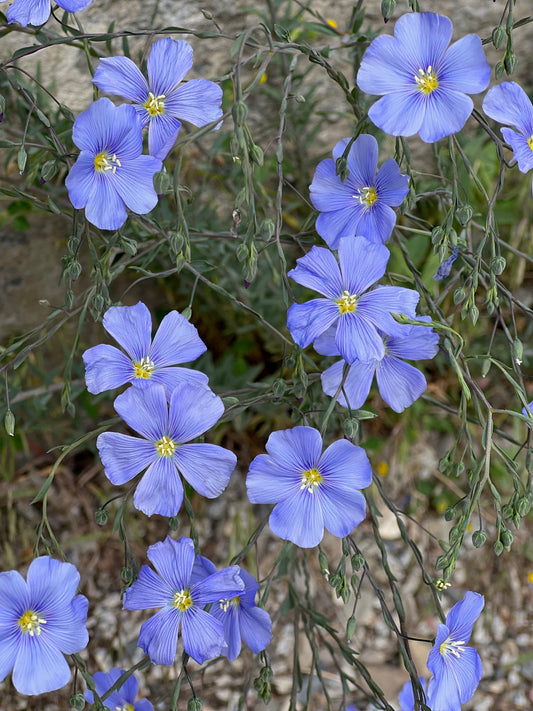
(498, 35)
(479, 538)
(9, 423)
(195, 704)
(77, 701)
(101, 516)
(510, 61)
(497, 265)
(387, 9)
(464, 214)
(239, 112)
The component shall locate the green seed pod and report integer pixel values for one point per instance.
(437, 234)
(523, 506)
(48, 170)
(126, 575)
(279, 386)
(357, 561)
(77, 701)
(459, 296)
(497, 265)
(334, 580)
(256, 154)
(518, 351)
(69, 298)
(161, 182)
(350, 628)
(266, 673)
(464, 214)
(387, 9)
(239, 112)
(195, 704)
(485, 367)
(341, 167)
(479, 538)
(510, 61)
(500, 69)
(450, 513)
(507, 511)
(101, 516)
(473, 312)
(9, 423)
(323, 562)
(350, 427)
(498, 35)
(173, 523)
(498, 547)
(507, 537)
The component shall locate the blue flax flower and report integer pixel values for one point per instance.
(362, 204)
(163, 450)
(312, 490)
(456, 668)
(110, 174)
(399, 383)
(358, 312)
(41, 618)
(37, 12)
(243, 620)
(446, 266)
(124, 697)
(526, 413)
(145, 362)
(407, 697)
(182, 602)
(161, 102)
(509, 104)
(423, 82)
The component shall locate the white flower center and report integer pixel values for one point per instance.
(104, 162)
(426, 80)
(155, 104)
(30, 623)
(311, 479)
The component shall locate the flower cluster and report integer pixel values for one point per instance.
(182, 586)
(37, 12)
(111, 173)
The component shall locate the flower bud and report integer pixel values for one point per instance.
(195, 704)
(523, 506)
(173, 523)
(518, 351)
(459, 295)
(510, 61)
(9, 423)
(279, 386)
(478, 538)
(239, 112)
(498, 547)
(357, 561)
(450, 513)
(498, 35)
(350, 628)
(101, 516)
(497, 265)
(77, 701)
(387, 9)
(48, 170)
(464, 214)
(507, 537)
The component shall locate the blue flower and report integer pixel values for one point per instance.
(110, 173)
(37, 12)
(423, 82)
(124, 697)
(509, 104)
(41, 618)
(147, 362)
(407, 697)
(362, 203)
(399, 383)
(165, 429)
(526, 413)
(456, 668)
(359, 314)
(243, 620)
(445, 268)
(312, 490)
(182, 602)
(161, 102)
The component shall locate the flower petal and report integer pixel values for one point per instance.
(400, 113)
(145, 411)
(159, 636)
(522, 153)
(160, 490)
(134, 182)
(131, 327)
(207, 467)
(106, 368)
(193, 410)
(509, 104)
(162, 133)
(81, 180)
(391, 185)
(297, 449)
(424, 36)
(327, 192)
(197, 101)
(318, 270)
(362, 263)
(168, 63)
(345, 466)
(463, 614)
(384, 69)
(222, 584)
(105, 208)
(173, 560)
(464, 67)
(377, 306)
(358, 339)
(363, 160)
(29, 12)
(446, 113)
(123, 456)
(356, 386)
(307, 321)
(39, 667)
(120, 76)
(399, 383)
(299, 519)
(255, 628)
(202, 635)
(52, 584)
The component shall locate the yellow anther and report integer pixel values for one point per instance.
(530, 142)
(144, 369)
(155, 104)
(347, 302)
(103, 161)
(182, 600)
(226, 604)
(165, 447)
(311, 479)
(367, 196)
(455, 648)
(125, 707)
(30, 623)
(426, 80)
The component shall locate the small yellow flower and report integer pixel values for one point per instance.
(263, 78)
(382, 468)
(530, 576)
(332, 23)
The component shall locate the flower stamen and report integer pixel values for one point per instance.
(367, 196)
(347, 302)
(311, 478)
(125, 707)
(104, 161)
(30, 623)
(182, 600)
(530, 141)
(155, 104)
(144, 368)
(426, 80)
(226, 604)
(165, 447)
(452, 647)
